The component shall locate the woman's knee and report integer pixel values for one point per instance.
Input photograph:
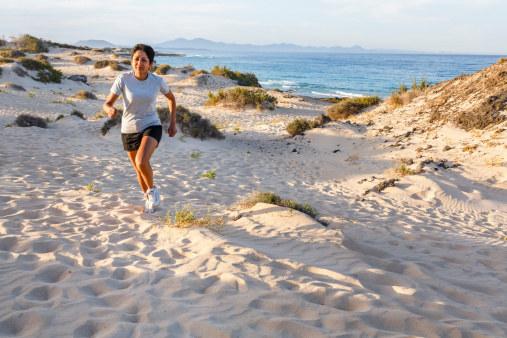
(142, 163)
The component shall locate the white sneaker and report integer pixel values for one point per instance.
(147, 205)
(153, 198)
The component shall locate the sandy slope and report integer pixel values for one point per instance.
(425, 258)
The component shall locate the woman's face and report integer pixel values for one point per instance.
(140, 62)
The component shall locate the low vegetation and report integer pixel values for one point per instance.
(26, 120)
(300, 125)
(66, 45)
(272, 198)
(101, 64)
(188, 217)
(402, 95)
(12, 53)
(45, 72)
(210, 174)
(85, 95)
(113, 65)
(13, 86)
(238, 97)
(6, 60)
(246, 79)
(191, 124)
(81, 60)
(197, 72)
(162, 69)
(41, 57)
(30, 44)
(77, 113)
(351, 106)
(112, 122)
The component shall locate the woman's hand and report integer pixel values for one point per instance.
(112, 112)
(172, 130)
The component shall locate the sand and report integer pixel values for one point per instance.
(424, 258)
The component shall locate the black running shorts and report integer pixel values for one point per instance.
(132, 142)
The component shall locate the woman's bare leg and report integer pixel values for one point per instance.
(141, 161)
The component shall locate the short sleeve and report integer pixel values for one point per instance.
(164, 88)
(117, 87)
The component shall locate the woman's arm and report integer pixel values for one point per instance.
(108, 106)
(172, 108)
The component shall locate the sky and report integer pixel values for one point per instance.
(452, 26)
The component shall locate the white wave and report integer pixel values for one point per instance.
(279, 82)
(337, 93)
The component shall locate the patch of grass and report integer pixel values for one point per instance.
(272, 198)
(195, 155)
(197, 72)
(31, 95)
(59, 117)
(96, 76)
(403, 96)
(85, 95)
(114, 56)
(30, 44)
(81, 60)
(100, 114)
(421, 85)
(112, 122)
(351, 106)
(191, 124)
(26, 120)
(6, 60)
(502, 60)
(3, 91)
(41, 57)
(495, 161)
(91, 187)
(66, 45)
(56, 101)
(45, 72)
(470, 148)
(181, 138)
(404, 170)
(240, 97)
(77, 113)
(187, 218)
(125, 62)
(484, 116)
(249, 79)
(352, 158)
(162, 69)
(210, 174)
(331, 99)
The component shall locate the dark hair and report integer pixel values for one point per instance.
(145, 48)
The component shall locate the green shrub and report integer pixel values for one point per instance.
(65, 45)
(101, 64)
(422, 85)
(342, 110)
(197, 72)
(45, 73)
(350, 106)
(272, 198)
(125, 62)
(41, 57)
(81, 60)
(112, 122)
(59, 117)
(77, 113)
(12, 53)
(6, 60)
(191, 124)
(240, 97)
(30, 44)
(298, 126)
(153, 69)
(114, 56)
(162, 69)
(248, 78)
(26, 120)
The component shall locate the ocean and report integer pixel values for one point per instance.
(335, 75)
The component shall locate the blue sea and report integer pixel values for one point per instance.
(335, 75)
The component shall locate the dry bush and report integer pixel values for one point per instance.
(13, 86)
(81, 60)
(191, 124)
(26, 120)
(272, 198)
(240, 97)
(112, 122)
(12, 53)
(114, 65)
(162, 69)
(298, 126)
(45, 72)
(6, 60)
(126, 62)
(342, 110)
(197, 72)
(30, 44)
(101, 64)
(248, 79)
(77, 113)
(84, 95)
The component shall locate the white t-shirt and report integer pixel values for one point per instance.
(139, 100)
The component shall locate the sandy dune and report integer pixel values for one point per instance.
(424, 258)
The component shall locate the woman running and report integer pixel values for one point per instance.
(141, 129)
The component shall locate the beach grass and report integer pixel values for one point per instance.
(238, 97)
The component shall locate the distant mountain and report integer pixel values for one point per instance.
(282, 47)
(95, 43)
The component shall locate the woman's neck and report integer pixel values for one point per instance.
(141, 76)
